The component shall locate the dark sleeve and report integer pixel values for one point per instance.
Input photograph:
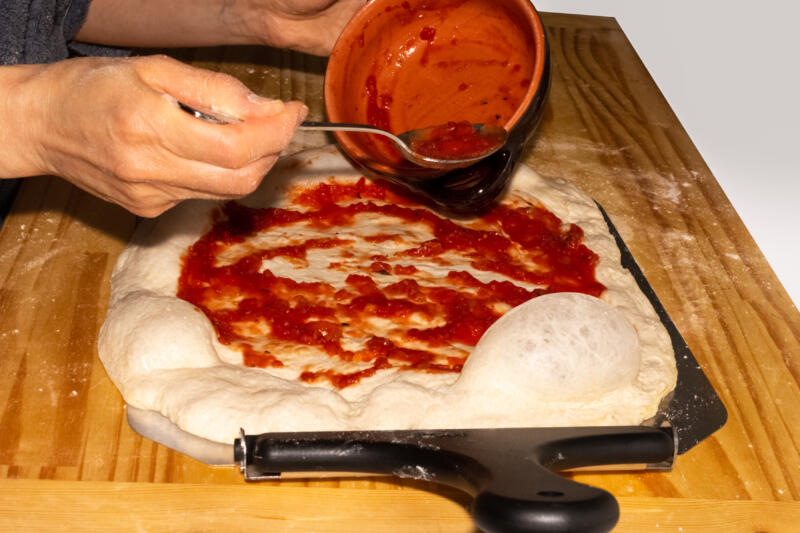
(42, 31)
(8, 190)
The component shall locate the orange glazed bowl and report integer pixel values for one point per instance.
(407, 64)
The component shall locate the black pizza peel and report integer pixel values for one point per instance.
(512, 473)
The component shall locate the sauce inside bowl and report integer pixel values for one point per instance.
(404, 65)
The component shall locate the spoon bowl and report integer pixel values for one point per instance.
(446, 146)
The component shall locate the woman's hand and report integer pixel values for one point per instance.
(113, 128)
(310, 26)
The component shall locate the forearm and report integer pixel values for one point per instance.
(158, 23)
(310, 26)
(112, 128)
(19, 149)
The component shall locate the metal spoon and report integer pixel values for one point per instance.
(495, 136)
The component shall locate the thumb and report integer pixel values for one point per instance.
(215, 93)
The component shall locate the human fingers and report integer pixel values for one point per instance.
(150, 198)
(255, 126)
(208, 182)
(196, 87)
(100, 129)
(310, 26)
(232, 145)
(196, 151)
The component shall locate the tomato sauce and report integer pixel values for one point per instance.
(251, 307)
(454, 140)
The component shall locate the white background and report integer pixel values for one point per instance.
(731, 72)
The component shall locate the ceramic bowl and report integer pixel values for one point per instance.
(407, 64)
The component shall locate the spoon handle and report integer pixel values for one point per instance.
(365, 128)
(343, 126)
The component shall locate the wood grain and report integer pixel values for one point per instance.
(64, 442)
(612, 133)
(109, 506)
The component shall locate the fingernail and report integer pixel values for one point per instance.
(301, 116)
(268, 105)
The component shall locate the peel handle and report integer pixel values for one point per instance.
(511, 473)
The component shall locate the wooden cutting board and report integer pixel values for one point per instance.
(69, 459)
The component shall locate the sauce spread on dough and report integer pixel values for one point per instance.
(415, 290)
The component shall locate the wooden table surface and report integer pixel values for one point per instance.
(68, 459)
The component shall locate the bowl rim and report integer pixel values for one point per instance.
(355, 25)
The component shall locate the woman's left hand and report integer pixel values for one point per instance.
(310, 26)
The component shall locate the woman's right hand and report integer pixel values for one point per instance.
(113, 128)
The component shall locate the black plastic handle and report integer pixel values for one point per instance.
(511, 473)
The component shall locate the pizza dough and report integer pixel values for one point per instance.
(558, 360)
(557, 347)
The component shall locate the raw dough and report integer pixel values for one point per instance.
(163, 353)
(558, 347)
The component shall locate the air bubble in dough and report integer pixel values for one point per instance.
(560, 347)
